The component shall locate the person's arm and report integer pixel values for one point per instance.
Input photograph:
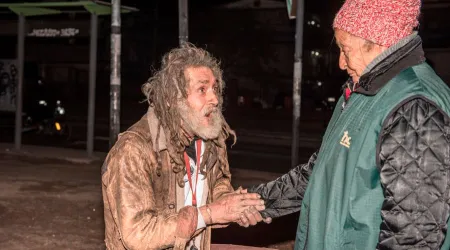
(221, 170)
(284, 195)
(131, 198)
(414, 169)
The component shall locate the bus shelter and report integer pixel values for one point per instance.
(23, 10)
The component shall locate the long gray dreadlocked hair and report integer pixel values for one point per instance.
(162, 91)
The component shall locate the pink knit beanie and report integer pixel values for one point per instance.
(384, 22)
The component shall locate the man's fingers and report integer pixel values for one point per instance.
(244, 220)
(256, 213)
(267, 220)
(252, 220)
(238, 190)
(249, 196)
(260, 207)
(240, 223)
(255, 203)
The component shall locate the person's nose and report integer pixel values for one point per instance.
(212, 98)
(342, 62)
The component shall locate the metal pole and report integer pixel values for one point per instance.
(297, 90)
(19, 90)
(92, 83)
(155, 33)
(183, 21)
(114, 121)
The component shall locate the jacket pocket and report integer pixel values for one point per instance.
(347, 236)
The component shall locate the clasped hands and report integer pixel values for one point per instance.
(240, 207)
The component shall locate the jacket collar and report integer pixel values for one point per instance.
(407, 53)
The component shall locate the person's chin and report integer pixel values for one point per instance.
(355, 78)
(208, 133)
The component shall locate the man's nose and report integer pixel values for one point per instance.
(212, 98)
(342, 62)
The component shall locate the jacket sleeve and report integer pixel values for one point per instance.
(222, 186)
(414, 170)
(132, 202)
(284, 195)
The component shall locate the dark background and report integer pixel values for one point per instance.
(254, 40)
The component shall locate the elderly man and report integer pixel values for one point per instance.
(381, 179)
(167, 179)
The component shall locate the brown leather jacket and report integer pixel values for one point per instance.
(140, 205)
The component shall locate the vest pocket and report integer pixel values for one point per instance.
(348, 236)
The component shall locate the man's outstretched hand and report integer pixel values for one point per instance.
(229, 208)
(251, 216)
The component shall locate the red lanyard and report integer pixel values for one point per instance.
(188, 170)
(348, 93)
(349, 90)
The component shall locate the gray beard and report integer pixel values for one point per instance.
(192, 122)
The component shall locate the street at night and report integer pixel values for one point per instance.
(117, 121)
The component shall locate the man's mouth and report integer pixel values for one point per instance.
(209, 112)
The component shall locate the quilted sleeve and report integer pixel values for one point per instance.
(414, 170)
(284, 195)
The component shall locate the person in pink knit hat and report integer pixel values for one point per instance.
(381, 179)
(374, 26)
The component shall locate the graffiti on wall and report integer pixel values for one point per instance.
(8, 85)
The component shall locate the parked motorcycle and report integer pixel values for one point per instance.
(48, 120)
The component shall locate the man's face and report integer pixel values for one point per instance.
(200, 112)
(354, 54)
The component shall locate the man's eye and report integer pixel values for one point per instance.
(201, 90)
(215, 88)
